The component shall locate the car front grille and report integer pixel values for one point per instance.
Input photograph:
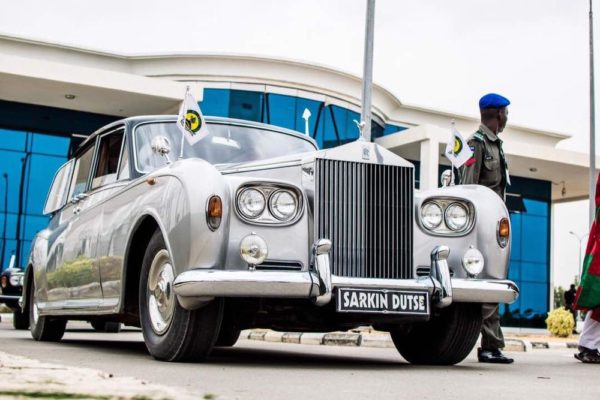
(366, 210)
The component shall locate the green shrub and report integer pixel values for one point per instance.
(560, 322)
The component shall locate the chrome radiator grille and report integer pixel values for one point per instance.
(366, 210)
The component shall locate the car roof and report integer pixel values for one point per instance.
(132, 121)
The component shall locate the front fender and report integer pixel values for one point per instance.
(489, 210)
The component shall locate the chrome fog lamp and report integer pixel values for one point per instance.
(253, 249)
(251, 203)
(473, 262)
(456, 217)
(283, 205)
(431, 215)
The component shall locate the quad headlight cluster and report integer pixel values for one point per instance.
(269, 204)
(447, 216)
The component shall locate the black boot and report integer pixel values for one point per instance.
(493, 356)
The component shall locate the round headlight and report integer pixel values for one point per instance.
(472, 261)
(251, 203)
(283, 205)
(456, 217)
(253, 249)
(15, 280)
(431, 215)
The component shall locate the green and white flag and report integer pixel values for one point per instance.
(191, 121)
(457, 150)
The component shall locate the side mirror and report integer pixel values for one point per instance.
(162, 146)
(446, 178)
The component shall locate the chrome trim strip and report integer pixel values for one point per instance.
(321, 256)
(213, 283)
(441, 272)
(483, 291)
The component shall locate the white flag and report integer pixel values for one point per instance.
(191, 121)
(457, 150)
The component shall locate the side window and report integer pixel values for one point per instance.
(57, 196)
(124, 166)
(81, 172)
(107, 163)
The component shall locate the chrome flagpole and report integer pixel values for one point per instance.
(592, 122)
(365, 123)
(187, 89)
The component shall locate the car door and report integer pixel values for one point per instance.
(110, 179)
(49, 244)
(79, 268)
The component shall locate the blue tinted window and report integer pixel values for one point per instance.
(215, 102)
(12, 140)
(534, 299)
(10, 247)
(376, 130)
(515, 245)
(43, 169)
(313, 106)
(514, 271)
(534, 272)
(246, 105)
(48, 144)
(34, 224)
(11, 225)
(536, 207)
(389, 129)
(282, 111)
(10, 163)
(25, 248)
(535, 239)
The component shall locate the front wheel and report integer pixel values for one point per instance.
(44, 328)
(172, 333)
(446, 339)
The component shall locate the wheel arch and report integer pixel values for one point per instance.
(26, 291)
(134, 255)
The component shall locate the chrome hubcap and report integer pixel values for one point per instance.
(36, 312)
(161, 299)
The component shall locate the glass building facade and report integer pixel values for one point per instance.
(330, 125)
(35, 141)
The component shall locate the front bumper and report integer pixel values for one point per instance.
(195, 287)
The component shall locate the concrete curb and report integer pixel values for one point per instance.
(380, 340)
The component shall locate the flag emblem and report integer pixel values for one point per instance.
(456, 150)
(458, 145)
(192, 121)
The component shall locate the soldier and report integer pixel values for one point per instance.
(488, 167)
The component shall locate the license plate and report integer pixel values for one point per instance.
(383, 301)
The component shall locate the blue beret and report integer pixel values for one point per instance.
(493, 100)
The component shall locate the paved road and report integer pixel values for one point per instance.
(261, 370)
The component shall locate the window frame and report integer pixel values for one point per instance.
(65, 200)
(92, 146)
(97, 144)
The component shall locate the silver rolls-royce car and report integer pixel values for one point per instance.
(254, 227)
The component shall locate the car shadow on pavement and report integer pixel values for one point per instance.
(240, 356)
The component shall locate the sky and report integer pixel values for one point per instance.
(437, 54)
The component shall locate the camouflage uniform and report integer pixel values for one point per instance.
(488, 167)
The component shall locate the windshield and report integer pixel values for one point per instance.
(224, 144)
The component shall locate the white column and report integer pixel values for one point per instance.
(429, 164)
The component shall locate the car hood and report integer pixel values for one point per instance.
(358, 151)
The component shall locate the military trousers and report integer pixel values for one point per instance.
(491, 332)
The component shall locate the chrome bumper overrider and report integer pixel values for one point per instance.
(319, 285)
